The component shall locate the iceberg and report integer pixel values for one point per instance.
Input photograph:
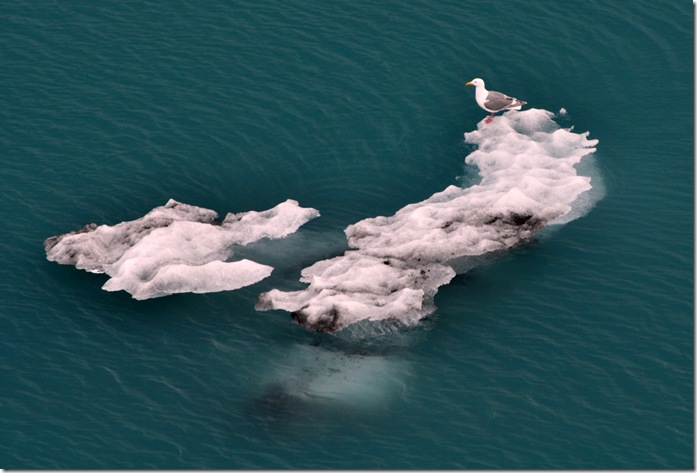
(396, 264)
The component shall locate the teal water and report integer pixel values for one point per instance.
(575, 351)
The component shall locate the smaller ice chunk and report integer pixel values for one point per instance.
(176, 248)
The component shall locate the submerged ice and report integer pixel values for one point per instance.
(176, 248)
(397, 263)
(313, 381)
(351, 377)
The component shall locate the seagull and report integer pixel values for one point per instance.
(493, 101)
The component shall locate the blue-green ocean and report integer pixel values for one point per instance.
(575, 350)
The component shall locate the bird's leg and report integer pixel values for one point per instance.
(489, 118)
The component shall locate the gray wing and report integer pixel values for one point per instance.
(498, 101)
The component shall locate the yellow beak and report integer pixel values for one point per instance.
(469, 83)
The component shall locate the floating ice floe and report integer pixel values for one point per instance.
(528, 181)
(176, 248)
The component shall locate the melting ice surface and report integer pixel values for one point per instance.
(528, 181)
(176, 248)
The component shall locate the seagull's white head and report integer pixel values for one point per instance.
(476, 82)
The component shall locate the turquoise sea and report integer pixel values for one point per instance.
(574, 350)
